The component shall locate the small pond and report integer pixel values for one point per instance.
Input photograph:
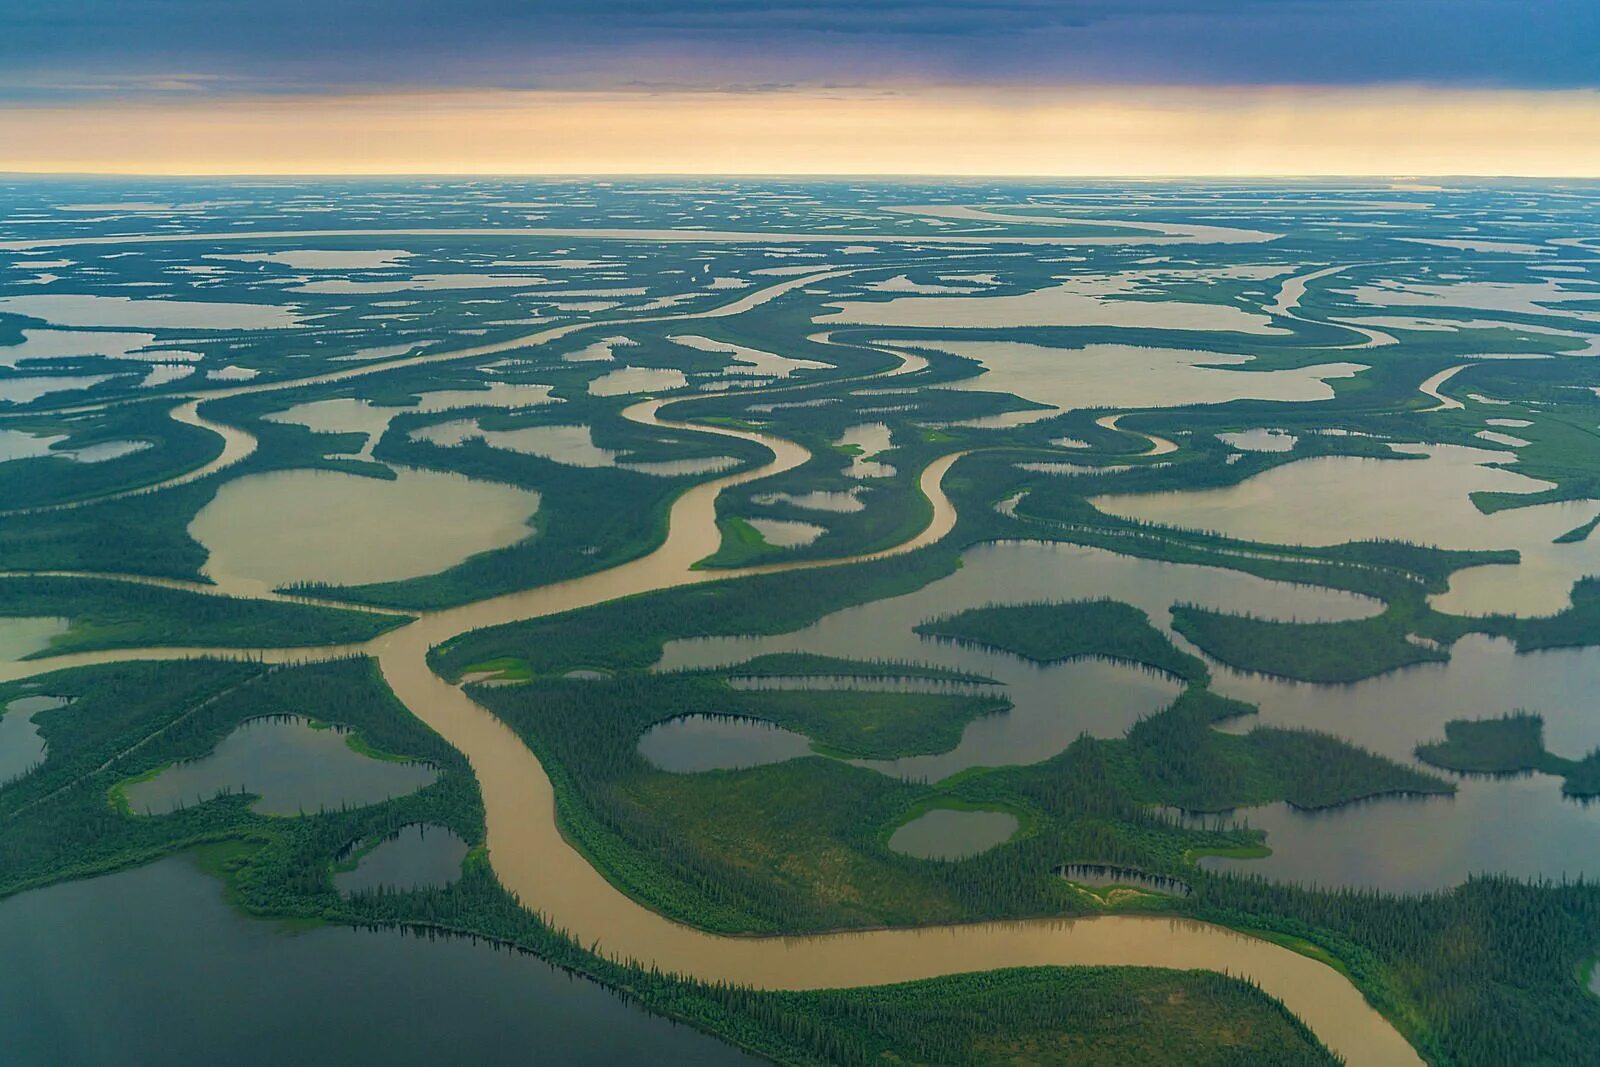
(1261, 440)
(689, 744)
(787, 533)
(419, 856)
(1105, 876)
(21, 747)
(637, 380)
(948, 834)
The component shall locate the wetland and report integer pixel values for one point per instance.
(895, 679)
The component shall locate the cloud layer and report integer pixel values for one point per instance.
(71, 49)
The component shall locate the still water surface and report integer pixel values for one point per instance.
(292, 766)
(21, 747)
(1328, 500)
(151, 966)
(1053, 703)
(692, 743)
(420, 855)
(947, 834)
(269, 530)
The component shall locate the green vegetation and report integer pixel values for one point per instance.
(136, 718)
(1579, 534)
(115, 614)
(1479, 974)
(172, 448)
(742, 545)
(809, 664)
(1578, 625)
(630, 633)
(1081, 1016)
(870, 725)
(1482, 974)
(1049, 633)
(131, 720)
(1306, 651)
(1510, 744)
(800, 845)
(1175, 757)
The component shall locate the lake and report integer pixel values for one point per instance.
(175, 975)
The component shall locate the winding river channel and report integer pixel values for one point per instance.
(550, 877)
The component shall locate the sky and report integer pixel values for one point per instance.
(802, 86)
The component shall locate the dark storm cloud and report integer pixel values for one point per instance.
(51, 48)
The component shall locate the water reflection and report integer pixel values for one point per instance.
(1120, 376)
(1054, 703)
(358, 415)
(1519, 826)
(290, 765)
(690, 744)
(637, 380)
(21, 747)
(787, 533)
(269, 530)
(419, 856)
(1261, 440)
(571, 445)
(867, 440)
(177, 976)
(1327, 500)
(948, 834)
(1484, 677)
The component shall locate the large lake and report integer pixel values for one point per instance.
(151, 966)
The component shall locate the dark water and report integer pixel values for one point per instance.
(692, 743)
(418, 856)
(291, 765)
(21, 747)
(1103, 875)
(150, 966)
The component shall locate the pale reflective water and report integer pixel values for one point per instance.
(1520, 826)
(1109, 375)
(572, 445)
(358, 415)
(817, 500)
(1484, 677)
(269, 530)
(24, 636)
(1054, 703)
(1327, 500)
(27, 390)
(637, 380)
(1261, 440)
(787, 533)
(870, 438)
(291, 766)
(1093, 300)
(748, 360)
